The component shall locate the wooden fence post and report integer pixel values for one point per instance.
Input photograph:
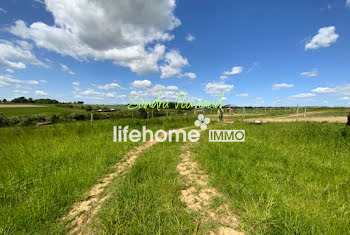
(243, 114)
(297, 112)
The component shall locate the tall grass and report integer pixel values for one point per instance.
(287, 178)
(45, 169)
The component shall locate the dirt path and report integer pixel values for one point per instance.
(80, 215)
(199, 196)
(292, 118)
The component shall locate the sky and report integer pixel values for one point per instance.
(259, 53)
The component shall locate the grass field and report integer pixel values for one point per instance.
(44, 170)
(285, 178)
(42, 109)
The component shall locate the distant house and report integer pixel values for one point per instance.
(112, 109)
(99, 110)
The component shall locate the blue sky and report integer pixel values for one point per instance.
(271, 53)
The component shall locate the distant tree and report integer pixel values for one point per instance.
(21, 100)
(88, 108)
(30, 100)
(143, 113)
(46, 101)
(80, 102)
(4, 101)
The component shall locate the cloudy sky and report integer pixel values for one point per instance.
(258, 52)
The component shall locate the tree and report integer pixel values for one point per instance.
(21, 100)
(30, 100)
(143, 113)
(4, 101)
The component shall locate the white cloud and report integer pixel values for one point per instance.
(325, 37)
(234, 70)
(76, 83)
(10, 70)
(336, 91)
(223, 77)
(111, 86)
(281, 85)
(66, 69)
(15, 55)
(141, 84)
(167, 92)
(3, 11)
(303, 96)
(190, 37)
(242, 95)
(345, 98)
(347, 3)
(312, 73)
(216, 88)
(92, 94)
(190, 75)
(43, 81)
(41, 93)
(7, 80)
(174, 64)
(129, 27)
(20, 92)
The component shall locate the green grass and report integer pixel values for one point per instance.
(148, 201)
(45, 169)
(287, 178)
(47, 109)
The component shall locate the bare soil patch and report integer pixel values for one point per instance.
(302, 119)
(199, 196)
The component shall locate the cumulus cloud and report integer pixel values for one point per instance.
(121, 31)
(174, 64)
(303, 96)
(216, 88)
(312, 73)
(190, 37)
(336, 91)
(15, 55)
(234, 70)
(66, 69)
(167, 92)
(41, 93)
(10, 70)
(242, 95)
(279, 86)
(76, 83)
(223, 77)
(142, 84)
(325, 37)
(111, 86)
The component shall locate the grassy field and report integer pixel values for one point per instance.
(44, 109)
(44, 170)
(286, 177)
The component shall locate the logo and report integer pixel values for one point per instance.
(202, 122)
(226, 135)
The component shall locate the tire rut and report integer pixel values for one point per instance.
(199, 196)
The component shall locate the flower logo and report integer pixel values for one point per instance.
(202, 122)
